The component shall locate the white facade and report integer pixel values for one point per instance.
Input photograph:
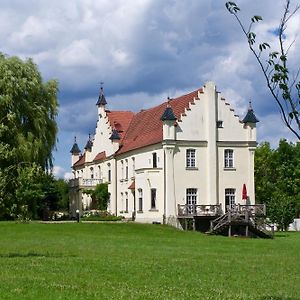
(203, 157)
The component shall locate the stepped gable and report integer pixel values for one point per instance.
(100, 156)
(146, 127)
(80, 161)
(120, 120)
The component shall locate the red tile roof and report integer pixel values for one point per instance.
(80, 161)
(146, 127)
(100, 156)
(132, 186)
(120, 120)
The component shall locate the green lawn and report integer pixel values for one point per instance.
(134, 261)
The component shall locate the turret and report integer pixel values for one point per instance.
(88, 149)
(169, 121)
(115, 138)
(250, 121)
(75, 151)
(101, 103)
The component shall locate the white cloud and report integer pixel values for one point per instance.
(144, 51)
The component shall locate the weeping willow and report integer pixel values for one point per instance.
(28, 129)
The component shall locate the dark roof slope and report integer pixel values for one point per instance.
(250, 117)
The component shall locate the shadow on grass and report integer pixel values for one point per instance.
(33, 254)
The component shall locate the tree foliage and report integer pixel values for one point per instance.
(283, 86)
(28, 109)
(277, 181)
(100, 194)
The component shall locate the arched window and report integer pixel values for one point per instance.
(92, 172)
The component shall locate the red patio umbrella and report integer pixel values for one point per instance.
(244, 192)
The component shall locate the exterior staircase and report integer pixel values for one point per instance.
(245, 222)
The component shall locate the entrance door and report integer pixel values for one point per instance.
(229, 199)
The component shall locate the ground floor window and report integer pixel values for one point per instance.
(140, 191)
(153, 198)
(191, 198)
(126, 202)
(229, 198)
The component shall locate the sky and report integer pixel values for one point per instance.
(144, 51)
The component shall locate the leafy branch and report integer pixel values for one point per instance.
(284, 88)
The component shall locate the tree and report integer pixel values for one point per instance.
(100, 194)
(283, 87)
(277, 181)
(28, 110)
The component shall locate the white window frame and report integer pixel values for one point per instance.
(153, 192)
(109, 172)
(92, 172)
(140, 192)
(190, 158)
(126, 202)
(228, 159)
(191, 196)
(230, 195)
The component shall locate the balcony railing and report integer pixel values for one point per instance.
(199, 210)
(191, 210)
(76, 182)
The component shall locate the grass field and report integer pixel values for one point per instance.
(134, 261)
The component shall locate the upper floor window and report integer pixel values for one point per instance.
(92, 172)
(228, 158)
(229, 198)
(153, 198)
(154, 160)
(133, 166)
(126, 169)
(109, 172)
(99, 172)
(190, 158)
(219, 124)
(122, 169)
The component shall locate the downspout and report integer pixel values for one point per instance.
(164, 215)
(116, 186)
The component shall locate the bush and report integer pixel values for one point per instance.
(99, 215)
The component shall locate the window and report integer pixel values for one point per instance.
(126, 202)
(219, 124)
(140, 191)
(99, 171)
(229, 198)
(122, 202)
(109, 172)
(122, 169)
(191, 196)
(154, 160)
(190, 158)
(92, 172)
(126, 169)
(228, 158)
(153, 198)
(133, 166)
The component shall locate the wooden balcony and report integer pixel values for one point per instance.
(194, 210)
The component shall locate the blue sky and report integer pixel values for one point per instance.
(144, 51)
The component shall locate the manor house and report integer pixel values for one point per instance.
(190, 152)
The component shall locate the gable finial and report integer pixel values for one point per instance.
(250, 104)
(101, 99)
